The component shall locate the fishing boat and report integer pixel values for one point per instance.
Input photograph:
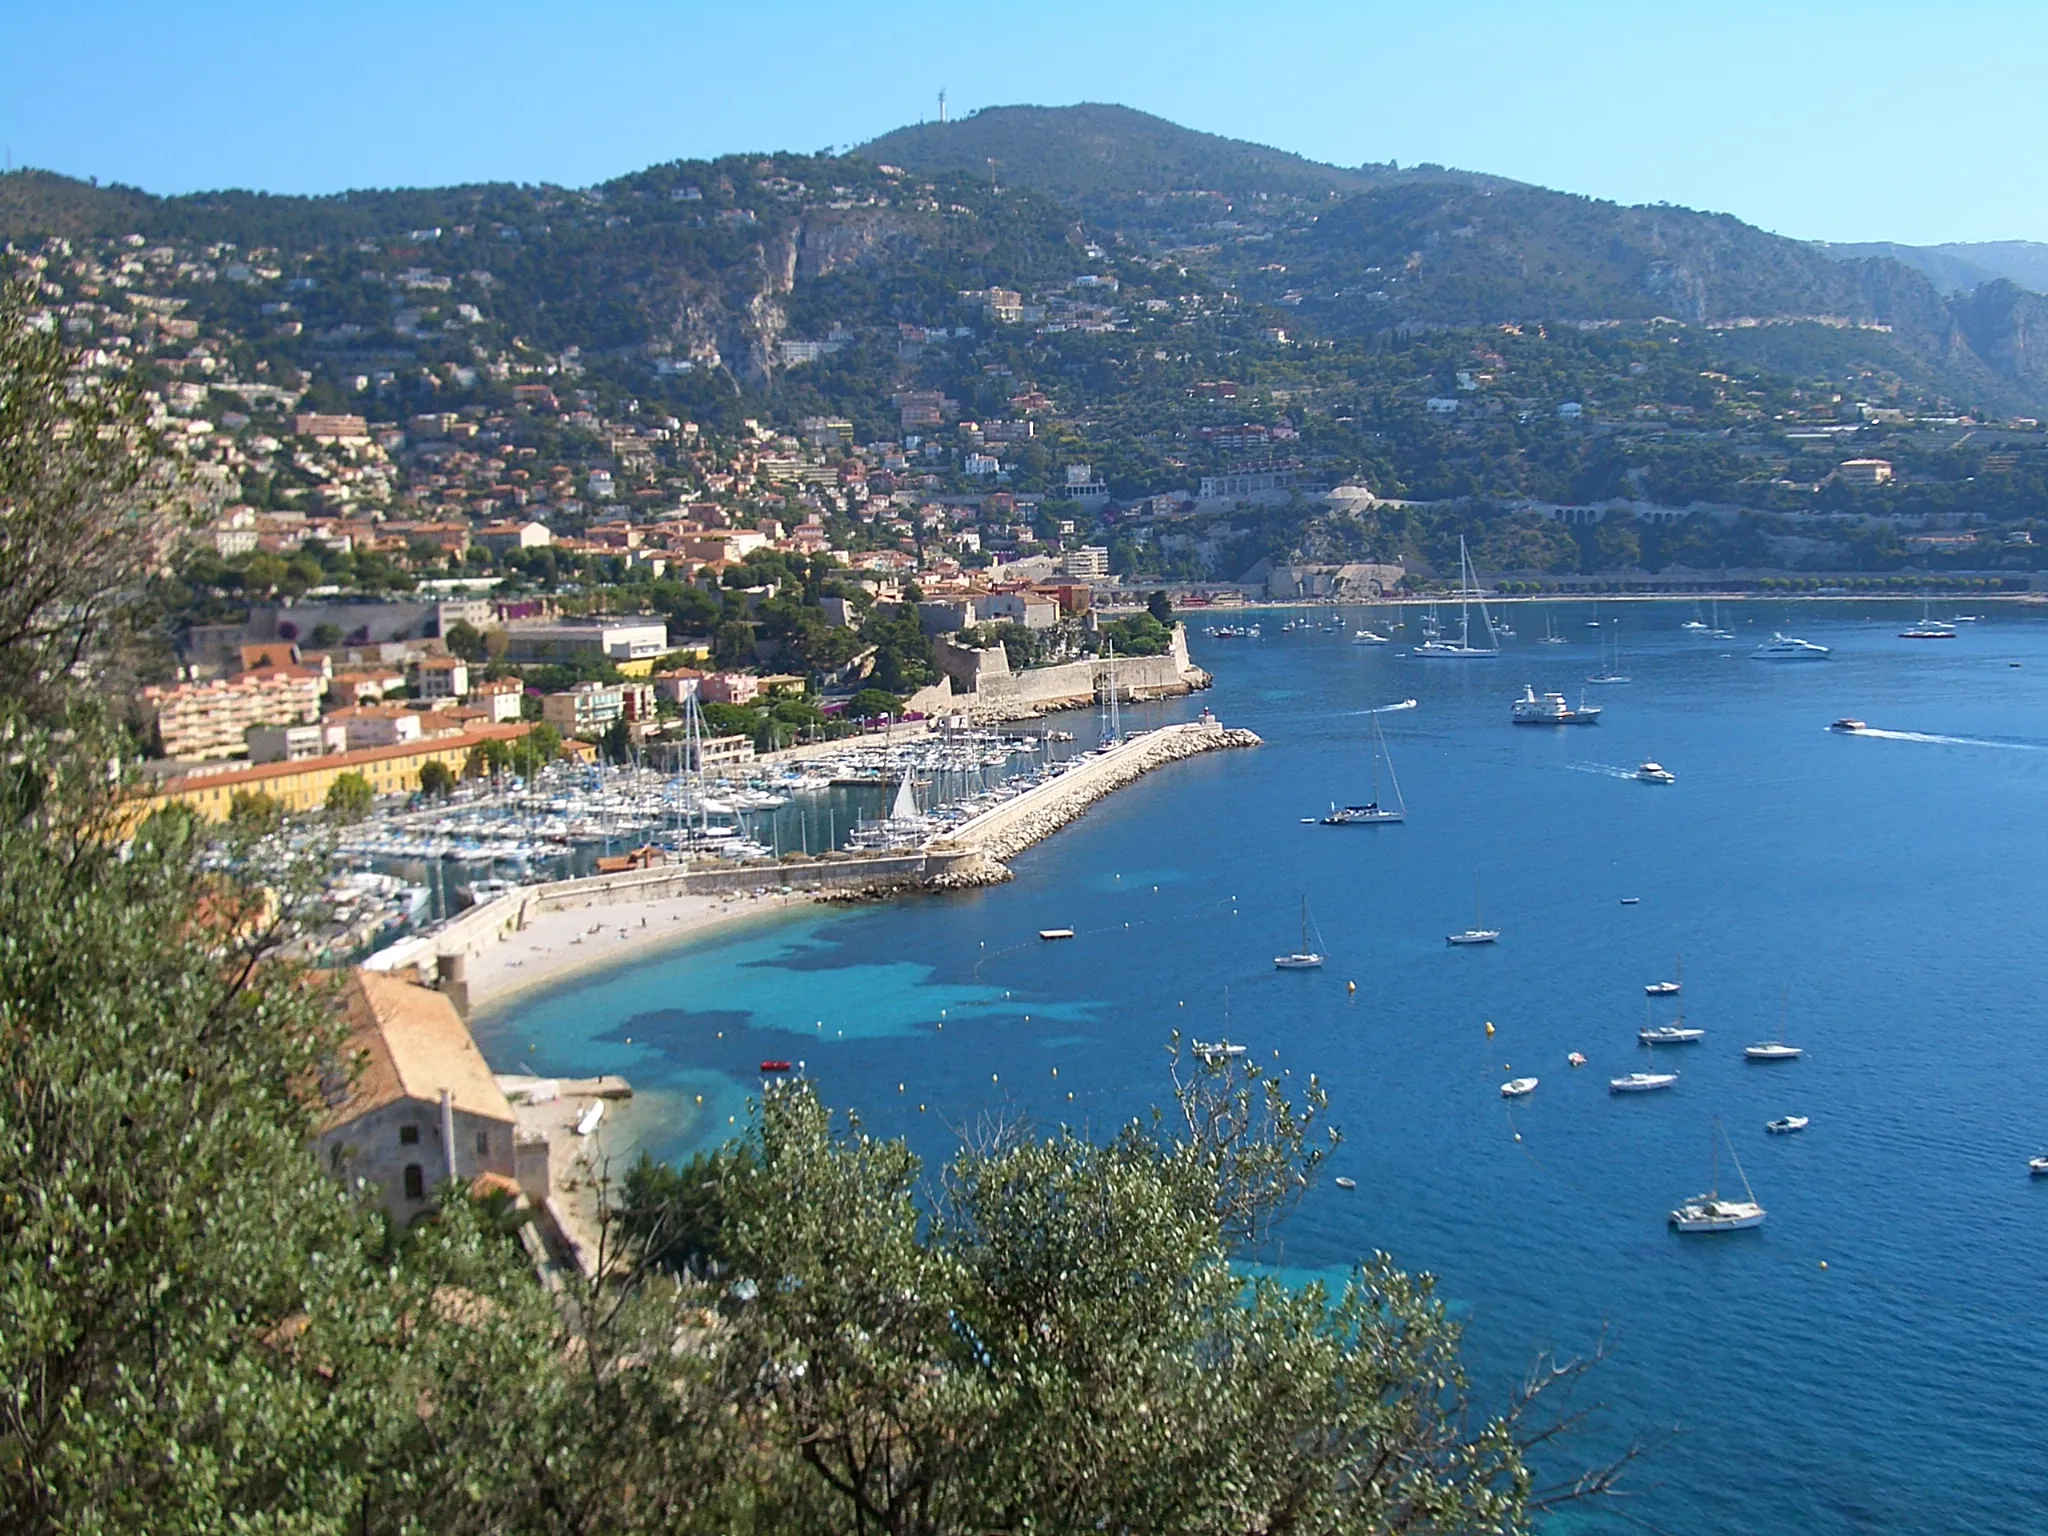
(1518, 1087)
(1551, 709)
(1304, 958)
(1772, 1050)
(1477, 933)
(1373, 813)
(1667, 988)
(1784, 647)
(1709, 1212)
(1655, 773)
(1462, 649)
(1641, 1082)
(1787, 1125)
(1049, 934)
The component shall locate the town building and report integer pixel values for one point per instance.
(607, 639)
(439, 677)
(1864, 471)
(199, 721)
(303, 785)
(500, 699)
(413, 1105)
(502, 538)
(1088, 563)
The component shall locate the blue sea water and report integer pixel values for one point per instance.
(1874, 898)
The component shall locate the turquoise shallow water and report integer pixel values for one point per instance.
(1883, 891)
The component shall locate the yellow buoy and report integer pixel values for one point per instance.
(1350, 986)
(1489, 1026)
(1823, 1263)
(700, 1098)
(992, 1077)
(1055, 1071)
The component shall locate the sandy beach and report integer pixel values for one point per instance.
(554, 946)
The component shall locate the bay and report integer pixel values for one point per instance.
(1877, 893)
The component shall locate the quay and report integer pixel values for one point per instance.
(573, 925)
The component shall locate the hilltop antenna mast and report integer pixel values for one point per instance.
(942, 103)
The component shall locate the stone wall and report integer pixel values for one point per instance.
(987, 688)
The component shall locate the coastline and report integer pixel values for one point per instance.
(569, 942)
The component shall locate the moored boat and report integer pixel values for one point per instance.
(1641, 1082)
(1518, 1087)
(1784, 647)
(1552, 709)
(1787, 1125)
(1709, 1212)
(1772, 1050)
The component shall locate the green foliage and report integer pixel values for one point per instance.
(437, 780)
(1139, 635)
(256, 812)
(350, 797)
(873, 704)
(464, 639)
(1161, 608)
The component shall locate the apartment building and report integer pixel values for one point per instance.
(198, 721)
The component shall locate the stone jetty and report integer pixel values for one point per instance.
(1013, 826)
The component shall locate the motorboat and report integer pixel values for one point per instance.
(1784, 647)
(1641, 1082)
(1655, 773)
(1671, 1034)
(1345, 1183)
(774, 1066)
(1667, 988)
(1787, 1125)
(1369, 637)
(1709, 1212)
(1576, 1058)
(1304, 958)
(1772, 1050)
(2038, 1167)
(1518, 1088)
(1216, 1050)
(1049, 934)
(1848, 725)
(1552, 709)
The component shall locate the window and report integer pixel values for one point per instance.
(483, 1143)
(415, 1182)
(408, 1135)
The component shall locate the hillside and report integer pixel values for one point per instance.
(1960, 267)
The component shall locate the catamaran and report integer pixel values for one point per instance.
(1462, 649)
(1304, 958)
(1372, 813)
(1709, 1212)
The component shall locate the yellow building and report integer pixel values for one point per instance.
(303, 785)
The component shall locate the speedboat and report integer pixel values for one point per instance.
(1848, 725)
(1656, 773)
(1671, 1034)
(1772, 1050)
(774, 1066)
(1473, 936)
(1786, 1125)
(1784, 647)
(1518, 1088)
(1551, 709)
(1641, 1082)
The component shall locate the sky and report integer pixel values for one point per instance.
(1882, 120)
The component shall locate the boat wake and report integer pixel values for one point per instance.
(1932, 739)
(1607, 770)
(1387, 709)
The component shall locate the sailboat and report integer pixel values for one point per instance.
(1695, 625)
(1462, 649)
(1928, 627)
(1475, 934)
(1709, 1212)
(1550, 634)
(1372, 813)
(1368, 635)
(1610, 671)
(1677, 1032)
(1304, 958)
(1717, 632)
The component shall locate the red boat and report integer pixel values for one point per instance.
(774, 1066)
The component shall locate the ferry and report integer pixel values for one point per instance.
(1552, 709)
(1784, 647)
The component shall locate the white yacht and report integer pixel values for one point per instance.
(1518, 1088)
(1927, 627)
(1552, 709)
(1772, 1050)
(1667, 988)
(1709, 1212)
(1656, 773)
(1641, 1082)
(1373, 813)
(1679, 1033)
(1217, 1050)
(1476, 934)
(1787, 1125)
(1369, 637)
(1304, 958)
(1462, 649)
(1784, 647)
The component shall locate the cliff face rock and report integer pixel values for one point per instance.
(2007, 325)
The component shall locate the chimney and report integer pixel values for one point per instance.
(448, 1130)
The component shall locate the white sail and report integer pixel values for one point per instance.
(905, 808)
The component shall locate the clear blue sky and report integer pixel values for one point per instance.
(1881, 120)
